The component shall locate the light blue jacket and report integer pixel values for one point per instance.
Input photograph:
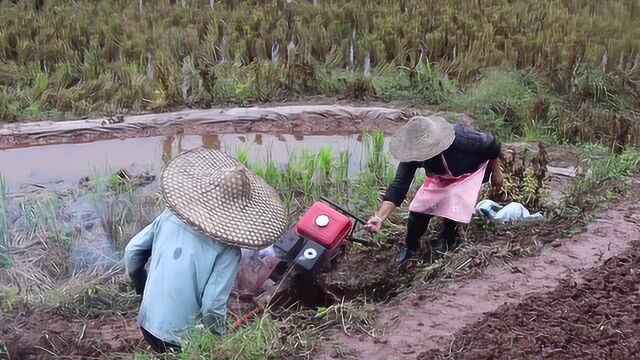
(189, 279)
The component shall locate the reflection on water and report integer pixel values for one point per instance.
(67, 163)
(211, 141)
(167, 145)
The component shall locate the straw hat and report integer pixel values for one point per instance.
(421, 138)
(221, 198)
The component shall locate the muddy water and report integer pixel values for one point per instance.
(58, 166)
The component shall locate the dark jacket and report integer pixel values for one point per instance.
(469, 150)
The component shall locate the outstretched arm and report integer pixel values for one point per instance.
(395, 195)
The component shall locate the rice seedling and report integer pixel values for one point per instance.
(242, 155)
(121, 209)
(377, 164)
(5, 257)
(203, 53)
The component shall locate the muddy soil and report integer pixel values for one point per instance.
(598, 318)
(366, 273)
(425, 319)
(35, 335)
(303, 120)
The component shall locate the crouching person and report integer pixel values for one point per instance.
(215, 206)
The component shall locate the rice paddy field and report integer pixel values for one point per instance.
(85, 87)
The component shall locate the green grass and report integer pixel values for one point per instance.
(309, 175)
(601, 165)
(250, 342)
(509, 62)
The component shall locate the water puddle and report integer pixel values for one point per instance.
(58, 166)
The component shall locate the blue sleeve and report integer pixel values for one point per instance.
(218, 288)
(136, 255)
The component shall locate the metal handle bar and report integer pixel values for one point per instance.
(343, 210)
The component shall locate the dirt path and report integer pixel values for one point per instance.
(415, 323)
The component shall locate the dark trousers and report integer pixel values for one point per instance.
(156, 344)
(417, 225)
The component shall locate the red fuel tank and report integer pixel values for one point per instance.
(324, 225)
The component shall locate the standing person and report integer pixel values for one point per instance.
(215, 206)
(456, 161)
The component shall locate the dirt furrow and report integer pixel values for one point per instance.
(412, 324)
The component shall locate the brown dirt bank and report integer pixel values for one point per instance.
(598, 318)
(299, 119)
(422, 320)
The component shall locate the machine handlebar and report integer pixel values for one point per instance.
(343, 210)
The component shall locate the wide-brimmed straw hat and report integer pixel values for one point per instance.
(220, 197)
(421, 138)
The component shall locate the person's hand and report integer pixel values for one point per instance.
(497, 180)
(373, 225)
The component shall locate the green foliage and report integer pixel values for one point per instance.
(4, 204)
(309, 175)
(524, 176)
(58, 61)
(122, 212)
(501, 99)
(602, 165)
(5, 257)
(252, 341)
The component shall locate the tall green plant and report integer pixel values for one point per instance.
(5, 257)
(377, 163)
(4, 205)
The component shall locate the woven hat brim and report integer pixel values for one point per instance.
(254, 225)
(407, 144)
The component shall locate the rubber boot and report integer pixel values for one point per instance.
(447, 241)
(450, 235)
(416, 227)
(405, 254)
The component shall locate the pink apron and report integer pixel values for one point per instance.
(448, 196)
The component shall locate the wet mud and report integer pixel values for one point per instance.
(425, 319)
(34, 335)
(302, 120)
(597, 318)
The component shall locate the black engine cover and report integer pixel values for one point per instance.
(289, 244)
(311, 256)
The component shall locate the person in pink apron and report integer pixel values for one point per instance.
(456, 160)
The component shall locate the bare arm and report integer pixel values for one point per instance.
(394, 196)
(375, 223)
(496, 173)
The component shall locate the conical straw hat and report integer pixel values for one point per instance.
(221, 198)
(421, 138)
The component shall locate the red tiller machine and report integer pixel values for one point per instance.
(312, 245)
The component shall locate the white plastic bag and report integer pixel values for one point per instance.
(513, 212)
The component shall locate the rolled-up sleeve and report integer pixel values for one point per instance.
(136, 255)
(399, 187)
